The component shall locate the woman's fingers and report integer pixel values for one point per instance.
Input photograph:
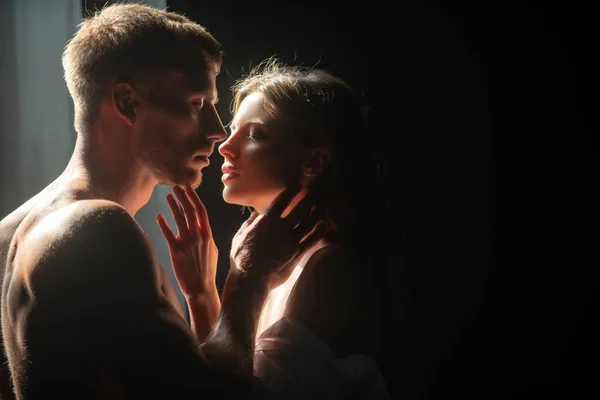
(201, 213)
(178, 216)
(189, 210)
(166, 231)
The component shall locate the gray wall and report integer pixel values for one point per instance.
(36, 112)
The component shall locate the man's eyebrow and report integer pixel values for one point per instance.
(210, 96)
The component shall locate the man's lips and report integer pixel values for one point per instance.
(202, 159)
(202, 156)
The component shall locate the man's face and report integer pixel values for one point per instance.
(178, 126)
(260, 156)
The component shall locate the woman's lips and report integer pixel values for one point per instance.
(229, 176)
(228, 172)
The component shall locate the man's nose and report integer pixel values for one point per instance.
(213, 127)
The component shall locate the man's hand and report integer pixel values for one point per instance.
(268, 245)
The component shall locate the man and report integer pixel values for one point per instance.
(87, 312)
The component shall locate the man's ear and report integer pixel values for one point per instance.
(124, 99)
(318, 162)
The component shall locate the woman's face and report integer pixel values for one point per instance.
(260, 156)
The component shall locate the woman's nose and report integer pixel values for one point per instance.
(226, 148)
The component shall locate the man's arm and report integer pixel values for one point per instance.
(170, 293)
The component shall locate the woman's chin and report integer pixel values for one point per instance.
(232, 198)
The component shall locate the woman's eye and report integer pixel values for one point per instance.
(255, 136)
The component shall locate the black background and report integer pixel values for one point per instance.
(483, 114)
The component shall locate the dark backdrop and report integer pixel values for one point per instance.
(482, 115)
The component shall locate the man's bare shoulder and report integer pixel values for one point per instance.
(87, 241)
(77, 216)
(85, 223)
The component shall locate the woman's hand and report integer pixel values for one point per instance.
(193, 251)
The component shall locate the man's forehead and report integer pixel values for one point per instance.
(191, 83)
(200, 81)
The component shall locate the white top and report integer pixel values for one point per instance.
(277, 299)
(295, 364)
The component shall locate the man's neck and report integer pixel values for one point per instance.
(110, 173)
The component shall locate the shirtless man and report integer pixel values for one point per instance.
(87, 312)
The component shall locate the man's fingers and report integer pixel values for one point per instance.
(282, 200)
(250, 219)
(316, 235)
(305, 206)
(307, 224)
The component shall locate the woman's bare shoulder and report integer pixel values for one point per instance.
(335, 297)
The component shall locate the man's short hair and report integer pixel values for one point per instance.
(131, 42)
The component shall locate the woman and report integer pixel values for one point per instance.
(318, 332)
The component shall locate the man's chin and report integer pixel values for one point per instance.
(194, 184)
(192, 180)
